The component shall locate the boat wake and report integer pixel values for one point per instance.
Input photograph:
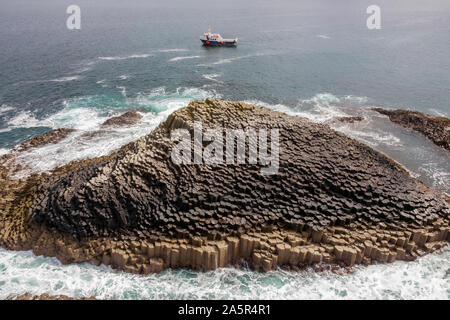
(173, 50)
(184, 58)
(426, 161)
(133, 56)
(230, 60)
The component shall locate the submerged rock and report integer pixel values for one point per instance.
(53, 136)
(332, 200)
(349, 119)
(127, 119)
(45, 296)
(437, 129)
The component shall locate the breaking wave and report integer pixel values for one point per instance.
(426, 278)
(87, 113)
(212, 77)
(326, 107)
(23, 272)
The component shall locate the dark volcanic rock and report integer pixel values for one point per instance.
(437, 129)
(324, 178)
(45, 296)
(127, 119)
(349, 119)
(53, 136)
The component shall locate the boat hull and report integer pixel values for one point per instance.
(212, 43)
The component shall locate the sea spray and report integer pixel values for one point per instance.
(86, 114)
(425, 278)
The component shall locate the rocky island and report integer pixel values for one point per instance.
(333, 200)
(437, 129)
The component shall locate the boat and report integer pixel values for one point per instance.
(216, 40)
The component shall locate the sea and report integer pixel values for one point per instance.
(312, 58)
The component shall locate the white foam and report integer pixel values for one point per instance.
(5, 108)
(184, 58)
(62, 79)
(24, 119)
(65, 79)
(320, 108)
(73, 118)
(85, 66)
(133, 56)
(4, 151)
(326, 107)
(426, 278)
(86, 120)
(323, 36)
(212, 77)
(124, 77)
(439, 176)
(123, 90)
(230, 60)
(439, 113)
(372, 137)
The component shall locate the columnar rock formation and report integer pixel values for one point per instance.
(45, 296)
(333, 200)
(127, 119)
(437, 129)
(53, 136)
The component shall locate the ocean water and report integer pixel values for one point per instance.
(426, 278)
(315, 59)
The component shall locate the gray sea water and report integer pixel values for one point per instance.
(315, 59)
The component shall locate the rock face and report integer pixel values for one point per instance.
(127, 119)
(44, 296)
(333, 200)
(53, 136)
(324, 178)
(437, 129)
(349, 119)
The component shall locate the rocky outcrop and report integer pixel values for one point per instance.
(45, 296)
(437, 129)
(332, 201)
(324, 178)
(349, 119)
(127, 119)
(53, 136)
